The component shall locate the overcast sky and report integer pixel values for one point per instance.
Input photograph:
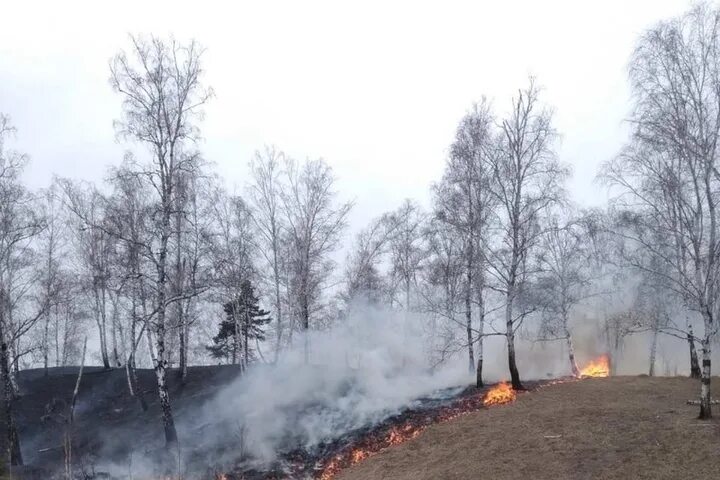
(375, 88)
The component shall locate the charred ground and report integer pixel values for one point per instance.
(109, 422)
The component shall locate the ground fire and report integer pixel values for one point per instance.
(499, 394)
(600, 367)
(412, 426)
(372, 445)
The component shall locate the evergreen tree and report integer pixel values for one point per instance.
(244, 321)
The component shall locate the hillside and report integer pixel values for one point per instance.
(610, 428)
(109, 422)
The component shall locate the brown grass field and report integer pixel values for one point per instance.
(604, 428)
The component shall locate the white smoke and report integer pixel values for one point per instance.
(368, 367)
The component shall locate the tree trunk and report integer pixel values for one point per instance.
(571, 353)
(114, 325)
(246, 349)
(510, 335)
(184, 348)
(46, 345)
(183, 358)
(161, 363)
(694, 364)
(164, 396)
(71, 418)
(705, 409)
(14, 453)
(57, 337)
(236, 334)
(653, 351)
(305, 318)
(100, 319)
(278, 301)
(468, 327)
(480, 284)
(481, 327)
(179, 280)
(468, 307)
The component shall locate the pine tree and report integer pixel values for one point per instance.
(244, 321)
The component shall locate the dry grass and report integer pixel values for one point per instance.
(610, 428)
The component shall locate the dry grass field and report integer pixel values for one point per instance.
(604, 428)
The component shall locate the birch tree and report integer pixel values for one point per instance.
(264, 195)
(315, 223)
(52, 243)
(465, 203)
(527, 181)
(566, 279)
(406, 251)
(233, 256)
(668, 173)
(363, 276)
(163, 96)
(19, 226)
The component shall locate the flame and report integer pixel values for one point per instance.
(600, 367)
(499, 394)
(371, 446)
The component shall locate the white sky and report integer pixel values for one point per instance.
(375, 88)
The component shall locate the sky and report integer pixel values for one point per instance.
(374, 88)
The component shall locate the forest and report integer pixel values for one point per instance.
(163, 266)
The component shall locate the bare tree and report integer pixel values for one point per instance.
(163, 97)
(51, 244)
(528, 180)
(363, 276)
(443, 289)
(668, 173)
(233, 254)
(130, 210)
(566, 279)
(19, 225)
(315, 224)
(94, 248)
(406, 250)
(264, 195)
(464, 201)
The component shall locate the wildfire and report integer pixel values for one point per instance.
(600, 367)
(371, 446)
(499, 394)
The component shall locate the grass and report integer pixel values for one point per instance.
(605, 428)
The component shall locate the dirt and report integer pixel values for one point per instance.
(605, 428)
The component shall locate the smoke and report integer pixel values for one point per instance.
(372, 365)
(368, 367)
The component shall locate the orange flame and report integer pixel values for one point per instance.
(600, 367)
(499, 394)
(394, 436)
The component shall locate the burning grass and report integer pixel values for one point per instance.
(379, 441)
(499, 394)
(598, 368)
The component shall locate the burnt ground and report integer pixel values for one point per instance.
(605, 428)
(109, 423)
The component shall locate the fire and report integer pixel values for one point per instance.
(371, 446)
(600, 367)
(499, 394)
